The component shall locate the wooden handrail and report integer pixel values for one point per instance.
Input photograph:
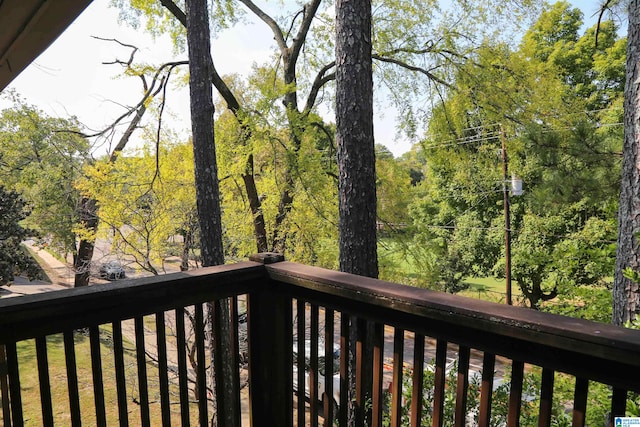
(41, 314)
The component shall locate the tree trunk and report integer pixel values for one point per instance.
(202, 110)
(356, 172)
(248, 178)
(625, 292)
(208, 201)
(354, 136)
(187, 236)
(82, 260)
(259, 228)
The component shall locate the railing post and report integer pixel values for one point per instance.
(4, 386)
(270, 333)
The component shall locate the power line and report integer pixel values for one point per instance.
(495, 135)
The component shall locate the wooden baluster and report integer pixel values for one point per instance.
(377, 365)
(417, 381)
(14, 384)
(618, 404)
(183, 384)
(301, 315)
(313, 366)
(72, 378)
(515, 395)
(45, 384)
(486, 389)
(121, 383)
(96, 372)
(439, 383)
(580, 402)
(141, 361)
(163, 378)
(235, 363)
(345, 350)
(396, 381)
(462, 386)
(4, 387)
(201, 369)
(546, 397)
(328, 368)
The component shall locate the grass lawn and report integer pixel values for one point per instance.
(490, 289)
(58, 377)
(395, 267)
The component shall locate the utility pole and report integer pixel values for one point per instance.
(507, 220)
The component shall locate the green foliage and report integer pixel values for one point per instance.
(539, 100)
(595, 72)
(585, 302)
(144, 202)
(394, 189)
(311, 224)
(500, 398)
(598, 400)
(14, 260)
(41, 157)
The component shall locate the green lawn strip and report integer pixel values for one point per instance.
(490, 289)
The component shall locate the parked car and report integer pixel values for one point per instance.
(320, 393)
(112, 270)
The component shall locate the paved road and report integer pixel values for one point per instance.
(59, 274)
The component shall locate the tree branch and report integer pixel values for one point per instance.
(275, 28)
(309, 13)
(321, 79)
(175, 11)
(603, 8)
(409, 67)
(218, 83)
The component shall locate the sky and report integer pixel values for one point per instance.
(70, 77)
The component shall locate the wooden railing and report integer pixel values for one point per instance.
(143, 365)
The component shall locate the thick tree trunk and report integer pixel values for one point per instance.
(356, 171)
(208, 201)
(354, 136)
(259, 228)
(202, 110)
(625, 292)
(82, 260)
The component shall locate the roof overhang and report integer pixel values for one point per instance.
(28, 27)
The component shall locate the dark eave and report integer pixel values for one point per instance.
(28, 27)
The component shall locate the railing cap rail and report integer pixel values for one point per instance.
(50, 312)
(553, 331)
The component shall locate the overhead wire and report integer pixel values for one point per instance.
(496, 134)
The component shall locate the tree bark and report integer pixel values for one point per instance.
(356, 176)
(354, 137)
(202, 111)
(82, 259)
(259, 228)
(208, 201)
(625, 292)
